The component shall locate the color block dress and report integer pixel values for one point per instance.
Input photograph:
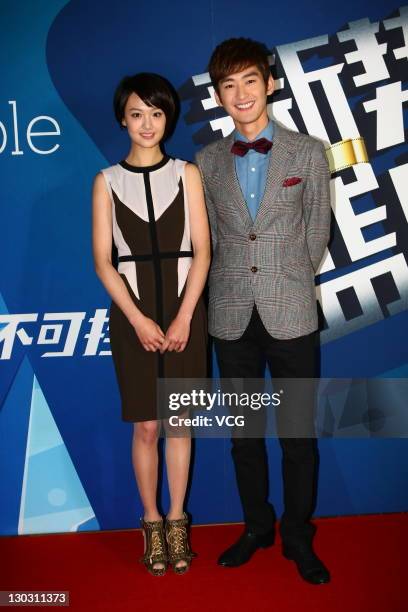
(151, 231)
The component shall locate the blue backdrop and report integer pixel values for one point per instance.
(65, 453)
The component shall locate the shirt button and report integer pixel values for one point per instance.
(252, 195)
(253, 169)
(252, 236)
(254, 269)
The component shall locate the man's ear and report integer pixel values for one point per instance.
(270, 85)
(217, 98)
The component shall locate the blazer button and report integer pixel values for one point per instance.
(252, 236)
(254, 269)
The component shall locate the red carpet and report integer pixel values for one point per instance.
(365, 554)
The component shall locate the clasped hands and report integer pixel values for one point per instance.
(153, 338)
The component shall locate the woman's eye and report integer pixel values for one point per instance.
(136, 115)
(158, 114)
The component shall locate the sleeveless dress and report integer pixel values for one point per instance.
(151, 231)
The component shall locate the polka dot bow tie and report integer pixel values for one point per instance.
(241, 148)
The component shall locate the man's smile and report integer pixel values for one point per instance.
(245, 106)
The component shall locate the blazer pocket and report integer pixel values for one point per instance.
(290, 181)
(288, 194)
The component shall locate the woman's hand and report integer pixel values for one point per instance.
(177, 335)
(149, 334)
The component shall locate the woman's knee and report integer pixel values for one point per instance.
(147, 431)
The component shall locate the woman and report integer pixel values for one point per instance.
(154, 207)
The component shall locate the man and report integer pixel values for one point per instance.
(267, 192)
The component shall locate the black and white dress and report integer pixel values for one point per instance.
(151, 231)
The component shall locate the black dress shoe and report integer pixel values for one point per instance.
(244, 548)
(308, 563)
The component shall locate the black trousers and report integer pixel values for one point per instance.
(294, 358)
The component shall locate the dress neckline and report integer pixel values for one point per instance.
(132, 168)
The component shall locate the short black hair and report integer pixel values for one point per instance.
(154, 90)
(236, 54)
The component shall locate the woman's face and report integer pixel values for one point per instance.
(145, 124)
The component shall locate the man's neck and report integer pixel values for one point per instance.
(252, 130)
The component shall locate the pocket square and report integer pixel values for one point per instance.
(293, 180)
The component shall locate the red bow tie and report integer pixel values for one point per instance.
(241, 148)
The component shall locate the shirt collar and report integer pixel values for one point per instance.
(267, 132)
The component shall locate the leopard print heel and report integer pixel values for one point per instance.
(178, 545)
(155, 547)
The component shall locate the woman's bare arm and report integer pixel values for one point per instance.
(178, 332)
(149, 334)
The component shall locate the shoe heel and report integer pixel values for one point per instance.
(270, 541)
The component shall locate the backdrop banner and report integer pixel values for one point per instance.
(341, 76)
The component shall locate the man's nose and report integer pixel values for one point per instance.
(241, 92)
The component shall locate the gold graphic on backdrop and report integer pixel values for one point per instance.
(346, 153)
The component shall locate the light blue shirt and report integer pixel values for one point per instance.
(252, 170)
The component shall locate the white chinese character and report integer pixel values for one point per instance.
(96, 334)
(10, 331)
(369, 52)
(399, 22)
(360, 280)
(390, 119)
(75, 319)
(350, 224)
(329, 77)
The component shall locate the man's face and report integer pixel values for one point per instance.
(243, 95)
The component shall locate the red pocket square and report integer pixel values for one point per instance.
(293, 180)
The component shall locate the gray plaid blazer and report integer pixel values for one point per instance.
(270, 262)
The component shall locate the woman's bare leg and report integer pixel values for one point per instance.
(145, 460)
(145, 463)
(178, 452)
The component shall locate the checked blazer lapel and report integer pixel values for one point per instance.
(282, 155)
(229, 177)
